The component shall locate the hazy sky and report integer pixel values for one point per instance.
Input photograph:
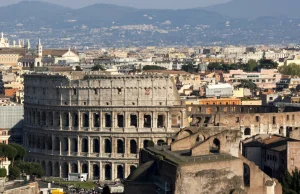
(161, 4)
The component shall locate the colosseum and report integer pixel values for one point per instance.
(96, 123)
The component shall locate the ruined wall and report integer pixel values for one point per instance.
(32, 188)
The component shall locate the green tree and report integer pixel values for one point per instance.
(215, 66)
(31, 168)
(247, 84)
(251, 65)
(290, 182)
(97, 68)
(21, 151)
(267, 64)
(153, 67)
(189, 67)
(292, 69)
(14, 172)
(3, 172)
(10, 152)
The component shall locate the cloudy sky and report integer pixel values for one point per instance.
(158, 4)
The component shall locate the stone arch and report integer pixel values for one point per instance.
(107, 146)
(43, 119)
(43, 142)
(65, 170)
(44, 165)
(50, 118)
(96, 120)
(85, 120)
(38, 118)
(120, 172)
(74, 168)
(120, 146)
(107, 172)
(120, 120)
(133, 147)
(96, 145)
(132, 168)
(161, 121)
(200, 138)
(56, 144)
(65, 119)
(216, 146)
(147, 121)
(34, 118)
(57, 119)
(108, 120)
(160, 142)
(247, 131)
(75, 120)
(84, 168)
(96, 172)
(65, 144)
(38, 142)
(49, 169)
(281, 130)
(74, 145)
(84, 145)
(49, 143)
(246, 175)
(56, 170)
(133, 120)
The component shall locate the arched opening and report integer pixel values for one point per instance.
(74, 168)
(33, 118)
(65, 145)
(57, 119)
(96, 146)
(38, 118)
(133, 120)
(50, 119)
(44, 165)
(74, 145)
(96, 119)
(147, 121)
(38, 64)
(107, 146)
(160, 142)
(84, 145)
(38, 142)
(56, 169)
(281, 130)
(200, 139)
(161, 121)
(120, 146)
(247, 131)
(43, 119)
(96, 172)
(56, 144)
(65, 170)
(49, 169)
(148, 143)
(120, 119)
(246, 175)
(85, 120)
(132, 169)
(107, 172)
(133, 147)
(49, 143)
(43, 142)
(65, 120)
(120, 172)
(75, 120)
(215, 148)
(84, 168)
(107, 120)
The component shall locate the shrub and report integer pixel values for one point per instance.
(3, 172)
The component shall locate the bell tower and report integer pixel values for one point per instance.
(39, 48)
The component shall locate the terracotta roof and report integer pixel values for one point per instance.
(56, 52)
(20, 51)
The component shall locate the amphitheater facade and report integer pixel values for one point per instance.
(95, 123)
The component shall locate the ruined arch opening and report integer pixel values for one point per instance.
(120, 172)
(107, 146)
(56, 170)
(133, 147)
(38, 118)
(132, 169)
(56, 144)
(84, 145)
(147, 121)
(44, 165)
(74, 145)
(161, 121)
(65, 120)
(148, 143)
(43, 120)
(96, 172)
(160, 142)
(33, 118)
(96, 119)
(247, 131)
(57, 119)
(50, 119)
(65, 145)
(96, 146)
(133, 120)
(43, 142)
(246, 175)
(120, 120)
(38, 142)
(107, 172)
(107, 120)
(75, 120)
(65, 170)
(85, 120)
(74, 168)
(281, 130)
(49, 169)
(84, 168)
(49, 143)
(120, 146)
(216, 146)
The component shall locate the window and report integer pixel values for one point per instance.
(287, 117)
(237, 119)
(95, 91)
(274, 120)
(257, 118)
(74, 91)
(119, 91)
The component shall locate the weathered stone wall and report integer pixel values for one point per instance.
(94, 123)
(32, 188)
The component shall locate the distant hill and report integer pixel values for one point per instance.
(46, 14)
(257, 8)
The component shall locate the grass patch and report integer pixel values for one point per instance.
(81, 185)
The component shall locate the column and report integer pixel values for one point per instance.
(53, 143)
(101, 121)
(79, 121)
(60, 146)
(91, 124)
(60, 120)
(113, 171)
(78, 146)
(70, 120)
(168, 121)
(79, 166)
(69, 146)
(89, 146)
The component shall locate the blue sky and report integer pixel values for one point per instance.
(158, 4)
